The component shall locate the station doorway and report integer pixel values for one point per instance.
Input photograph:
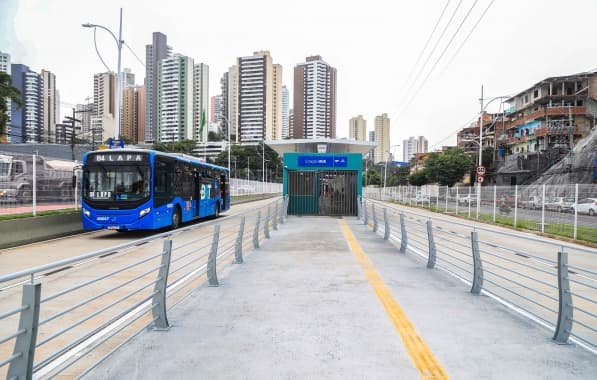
(323, 192)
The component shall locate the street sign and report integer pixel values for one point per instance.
(480, 178)
(481, 170)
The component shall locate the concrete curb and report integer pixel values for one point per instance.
(15, 232)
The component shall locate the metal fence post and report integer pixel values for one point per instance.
(543, 210)
(575, 212)
(266, 224)
(212, 275)
(403, 237)
(386, 222)
(477, 264)
(359, 208)
(159, 298)
(34, 188)
(374, 218)
(515, 205)
(447, 192)
(22, 366)
(238, 247)
(282, 211)
(494, 200)
(432, 255)
(565, 309)
(256, 231)
(275, 221)
(366, 217)
(286, 206)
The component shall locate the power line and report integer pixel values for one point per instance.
(136, 56)
(441, 55)
(467, 36)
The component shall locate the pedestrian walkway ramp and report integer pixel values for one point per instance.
(325, 298)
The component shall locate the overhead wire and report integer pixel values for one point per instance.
(135, 55)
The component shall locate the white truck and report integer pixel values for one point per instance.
(54, 178)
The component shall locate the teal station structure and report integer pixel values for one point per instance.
(322, 176)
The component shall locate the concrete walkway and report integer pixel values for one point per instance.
(306, 305)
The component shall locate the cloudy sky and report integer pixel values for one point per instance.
(373, 44)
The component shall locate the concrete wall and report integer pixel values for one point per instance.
(15, 232)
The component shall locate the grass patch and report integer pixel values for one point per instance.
(39, 213)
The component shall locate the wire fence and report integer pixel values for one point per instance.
(94, 303)
(564, 210)
(553, 283)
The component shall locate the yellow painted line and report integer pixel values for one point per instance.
(424, 360)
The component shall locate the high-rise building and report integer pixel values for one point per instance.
(200, 102)
(259, 98)
(382, 138)
(27, 121)
(314, 99)
(410, 147)
(422, 145)
(357, 128)
(233, 84)
(291, 123)
(285, 112)
(128, 78)
(51, 105)
(5, 68)
(133, 114)
(175, 99)
(84, 113)
(104, 95)
(155, 52)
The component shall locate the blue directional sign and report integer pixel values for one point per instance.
(399, 163)
(322, 161)
(112, 143)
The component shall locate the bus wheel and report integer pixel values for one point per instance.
(176, 218)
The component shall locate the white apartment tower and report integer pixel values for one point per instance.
(382, 138)
(102, 121)
(423, 145)
(357, 128)
(5, 68)
(409, 148)
(200, 102)
(285, 113)
(175, 99)
(259, 98)
(51, 105)
(314, 99)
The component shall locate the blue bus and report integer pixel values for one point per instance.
(139, 189)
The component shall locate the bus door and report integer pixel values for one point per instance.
(197, 192)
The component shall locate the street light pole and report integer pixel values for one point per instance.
(480, 153)
(118, 74)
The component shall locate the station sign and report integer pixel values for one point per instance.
(323, 161)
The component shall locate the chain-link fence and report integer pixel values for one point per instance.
(564, 210)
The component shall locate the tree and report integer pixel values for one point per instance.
(184, 146)
(399, 176)
(449, 167)
(244, 156)
(214, 136)
(7, 91)
(371, 177)
(418, 178)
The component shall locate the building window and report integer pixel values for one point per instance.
(536, 94)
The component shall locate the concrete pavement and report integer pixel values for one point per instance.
(315, 303)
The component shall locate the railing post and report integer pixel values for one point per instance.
(266, 224)
(287, 201)
(159, 298)
(386, 222)
(256, 231)
(432, 257)
(403, 237)
(212, 275)
(238, 247)
(366, 217)
(565, 309)
(374, 218)
(477, 264)
(359, 208)
(282, 211)
(22, 366)
(275, 221)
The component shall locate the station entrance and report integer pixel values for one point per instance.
(323, 192)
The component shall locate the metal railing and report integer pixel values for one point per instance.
(564, 210)
(94, 303)
(553, 283)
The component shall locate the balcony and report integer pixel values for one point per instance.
(545, 131)
(548, 111)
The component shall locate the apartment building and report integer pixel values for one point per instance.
(357, 128)
(382, 138)
(154, 53)
(27, 121)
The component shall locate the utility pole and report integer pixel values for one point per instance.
(72, 119)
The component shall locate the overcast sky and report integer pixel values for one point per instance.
(373, 44)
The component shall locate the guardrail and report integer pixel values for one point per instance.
(133, 287)
(553, 283)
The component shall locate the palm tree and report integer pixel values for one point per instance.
(7, 91)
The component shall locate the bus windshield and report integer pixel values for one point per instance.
(120, 183)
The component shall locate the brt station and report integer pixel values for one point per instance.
(322, 176)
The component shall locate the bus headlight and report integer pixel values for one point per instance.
(144, 212)
(87, 213)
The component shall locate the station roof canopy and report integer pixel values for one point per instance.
(320, 146)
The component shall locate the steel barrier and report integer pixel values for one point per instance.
(47, 333)
(551, 282)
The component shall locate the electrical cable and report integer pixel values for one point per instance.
(136, 56)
